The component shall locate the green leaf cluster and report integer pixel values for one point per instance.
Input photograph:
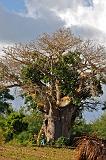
(99, 126)
(5, 107)
(14, 124)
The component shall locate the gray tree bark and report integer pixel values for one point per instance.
(59, 122)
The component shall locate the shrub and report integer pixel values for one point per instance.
(25, 138)
(99, 126)
(81, 128)
(61, 142)
(14, 125)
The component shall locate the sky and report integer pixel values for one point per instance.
(25, 20)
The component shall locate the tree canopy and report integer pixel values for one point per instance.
(61, 72)
(55, 65)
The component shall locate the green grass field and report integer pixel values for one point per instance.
(34, 153)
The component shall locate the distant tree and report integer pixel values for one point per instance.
(5, 107)
(99, 126)
(61, 72)
(30, 103)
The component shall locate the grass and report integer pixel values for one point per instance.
(34, 153)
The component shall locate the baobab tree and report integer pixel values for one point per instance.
(61, 72)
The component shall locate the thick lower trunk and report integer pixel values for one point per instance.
(59, 122)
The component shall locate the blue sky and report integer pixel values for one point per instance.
(13, 5)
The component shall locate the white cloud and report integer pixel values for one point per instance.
(87, 15)
(92, 17)
(74, 12)
(35, 8)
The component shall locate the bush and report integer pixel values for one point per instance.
(8, 135)
(25, 138)
(14, 125)
(34, 121)
(99, 126)
(62, 142)
(81, 128)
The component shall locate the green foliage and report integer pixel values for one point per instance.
(5, 108)
(8, 134)
(5, 111)
(60, 69)
(14, 124)
(30, 73)
(2, 121)
(34, 121)
(28, 137)
(65, 68)
(99, 126)
(21, 128)
(62, 142)
(30, 103)
(81, 128)
(68, 75)
(25, 138)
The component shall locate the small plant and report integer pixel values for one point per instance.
(62, 141)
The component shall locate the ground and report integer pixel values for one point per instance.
(34, 153)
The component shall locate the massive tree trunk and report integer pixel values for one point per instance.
(58, 122)
(59, 115)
